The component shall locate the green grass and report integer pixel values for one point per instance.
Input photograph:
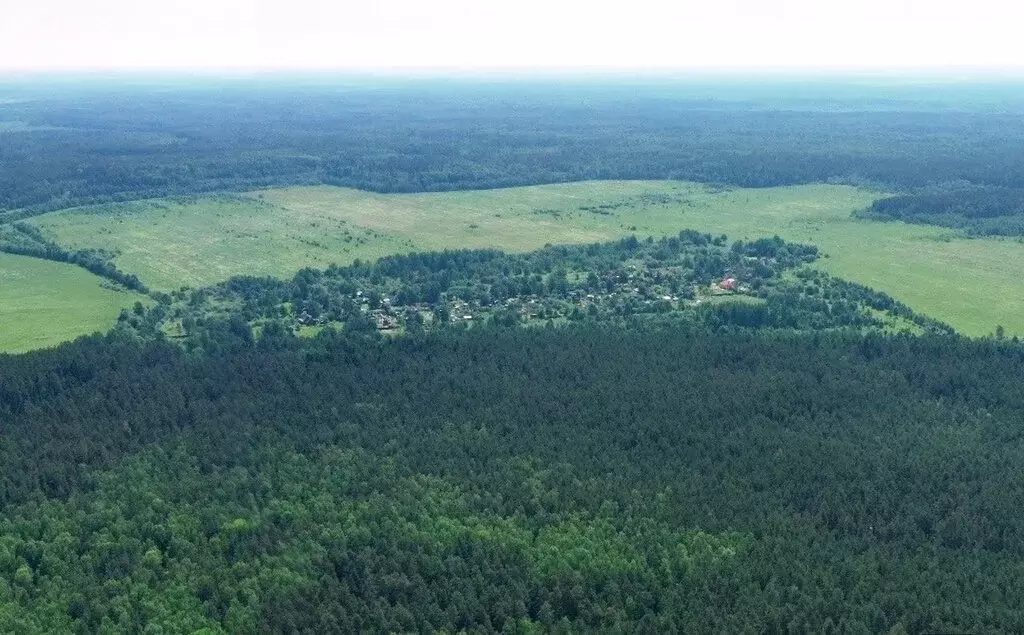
(44, 303)
(970, 283)
(170, 245)
(731, 299)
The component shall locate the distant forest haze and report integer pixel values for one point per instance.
(68, 141)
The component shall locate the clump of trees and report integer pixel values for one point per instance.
(980, 211)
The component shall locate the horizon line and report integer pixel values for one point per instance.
(527, 71)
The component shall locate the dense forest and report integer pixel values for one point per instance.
(980, 211)
(64, 144)
(654, 478)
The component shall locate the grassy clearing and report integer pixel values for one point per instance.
(720, 300)
(44, 303)
(968, 283)
(170, 245)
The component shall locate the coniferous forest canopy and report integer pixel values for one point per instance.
(692, 433)
(654, 478)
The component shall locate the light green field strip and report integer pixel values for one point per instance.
(170, 245)
(973, 284)
(44, 303)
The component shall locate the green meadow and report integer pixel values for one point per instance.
(969, 283)
(44, 303)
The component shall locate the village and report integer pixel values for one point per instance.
(468, 289)
(634, 289)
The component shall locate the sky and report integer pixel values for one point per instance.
(501, 34)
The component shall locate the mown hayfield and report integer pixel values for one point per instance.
(44, 303)
(969, 283)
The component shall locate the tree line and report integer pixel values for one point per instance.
(23, 239)
(979, 211)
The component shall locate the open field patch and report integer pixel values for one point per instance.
(970, 283)
(173, 244)
(44, 303)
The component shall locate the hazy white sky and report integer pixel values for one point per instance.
(509, 34)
